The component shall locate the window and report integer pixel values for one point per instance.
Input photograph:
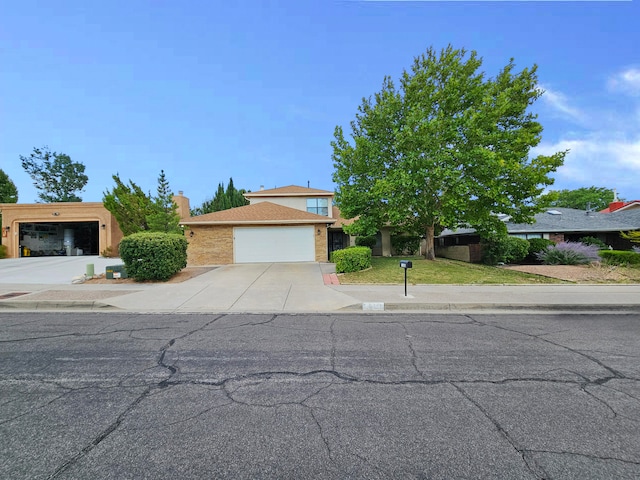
(319, 206)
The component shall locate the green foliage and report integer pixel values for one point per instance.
(222, 200)
(164, 216)
(449, 147)
(8, 190)
(569, 253)
(620, 257)
(593, 198)
(3, 251)
(405, 244)
(153, 255)
(55, 175)
(129, 205)
(367, 241)
(351, 259)
(537, 245)
(594, 241)
(504, 249)
(634, 236)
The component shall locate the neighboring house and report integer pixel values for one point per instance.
(555, 224)
(69, 228)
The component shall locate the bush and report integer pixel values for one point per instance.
(3, 251)
(109, 252)
(153, 255)
(569, 253)
(405, 244)
(620, 257)
(594, 241)
(538, 245)
(369, 241)
(504, 249)
(351, 259)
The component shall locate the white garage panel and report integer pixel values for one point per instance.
(273, 244)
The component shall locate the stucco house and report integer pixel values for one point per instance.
(555, 224)
(69, 228)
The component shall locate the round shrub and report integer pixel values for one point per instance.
(153, 255)
(351, 259)
(569, 253)
(504, 249)
(538, 245)
(3, 251)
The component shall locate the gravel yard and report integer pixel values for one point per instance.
(594, 273)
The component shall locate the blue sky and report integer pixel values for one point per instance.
(253, 90)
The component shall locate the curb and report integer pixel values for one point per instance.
(57, 305)
(461, 307)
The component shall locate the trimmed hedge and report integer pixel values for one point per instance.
(351, 259)
(620, 257)
(153, 255)
(3, 251)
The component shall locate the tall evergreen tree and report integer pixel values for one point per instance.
(129, 205)
(164, 216)
(8, 189)
(223, 199)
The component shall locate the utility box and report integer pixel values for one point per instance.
(116, 271)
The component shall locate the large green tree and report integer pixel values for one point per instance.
(164, 216)
(129, 205)
(223, 199)
(448, 148)
(57, 178)
(8, 189)
(592, 198)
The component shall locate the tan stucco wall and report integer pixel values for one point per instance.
(13, 214)
(456, 252)
(299, 203)
(213, 244)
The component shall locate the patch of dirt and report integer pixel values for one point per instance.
(594, 273)
(182, 276)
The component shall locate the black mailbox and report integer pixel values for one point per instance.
(406, 264)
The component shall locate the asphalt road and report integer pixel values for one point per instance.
(118, 396)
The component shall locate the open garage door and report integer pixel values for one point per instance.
(41, 239)
(274, 244)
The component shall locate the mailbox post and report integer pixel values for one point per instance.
(406, 264)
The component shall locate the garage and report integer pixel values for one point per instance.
(46, 239)
(274, 244)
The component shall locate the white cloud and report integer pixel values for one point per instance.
(627, 81)
(559, 102)
(598, 160)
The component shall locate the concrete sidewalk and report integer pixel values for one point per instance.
(299, 288)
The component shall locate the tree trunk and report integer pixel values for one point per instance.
(430, 252)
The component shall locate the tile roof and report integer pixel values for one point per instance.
(259, 213)
(290, 191)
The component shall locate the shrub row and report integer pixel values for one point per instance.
(620, 257)
(153, 255)
(351, 259)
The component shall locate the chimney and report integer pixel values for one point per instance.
(261, 187)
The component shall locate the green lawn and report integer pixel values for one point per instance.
(440, 271)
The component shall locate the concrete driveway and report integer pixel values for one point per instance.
(50, 270)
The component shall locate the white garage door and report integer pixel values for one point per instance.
(273, 244)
